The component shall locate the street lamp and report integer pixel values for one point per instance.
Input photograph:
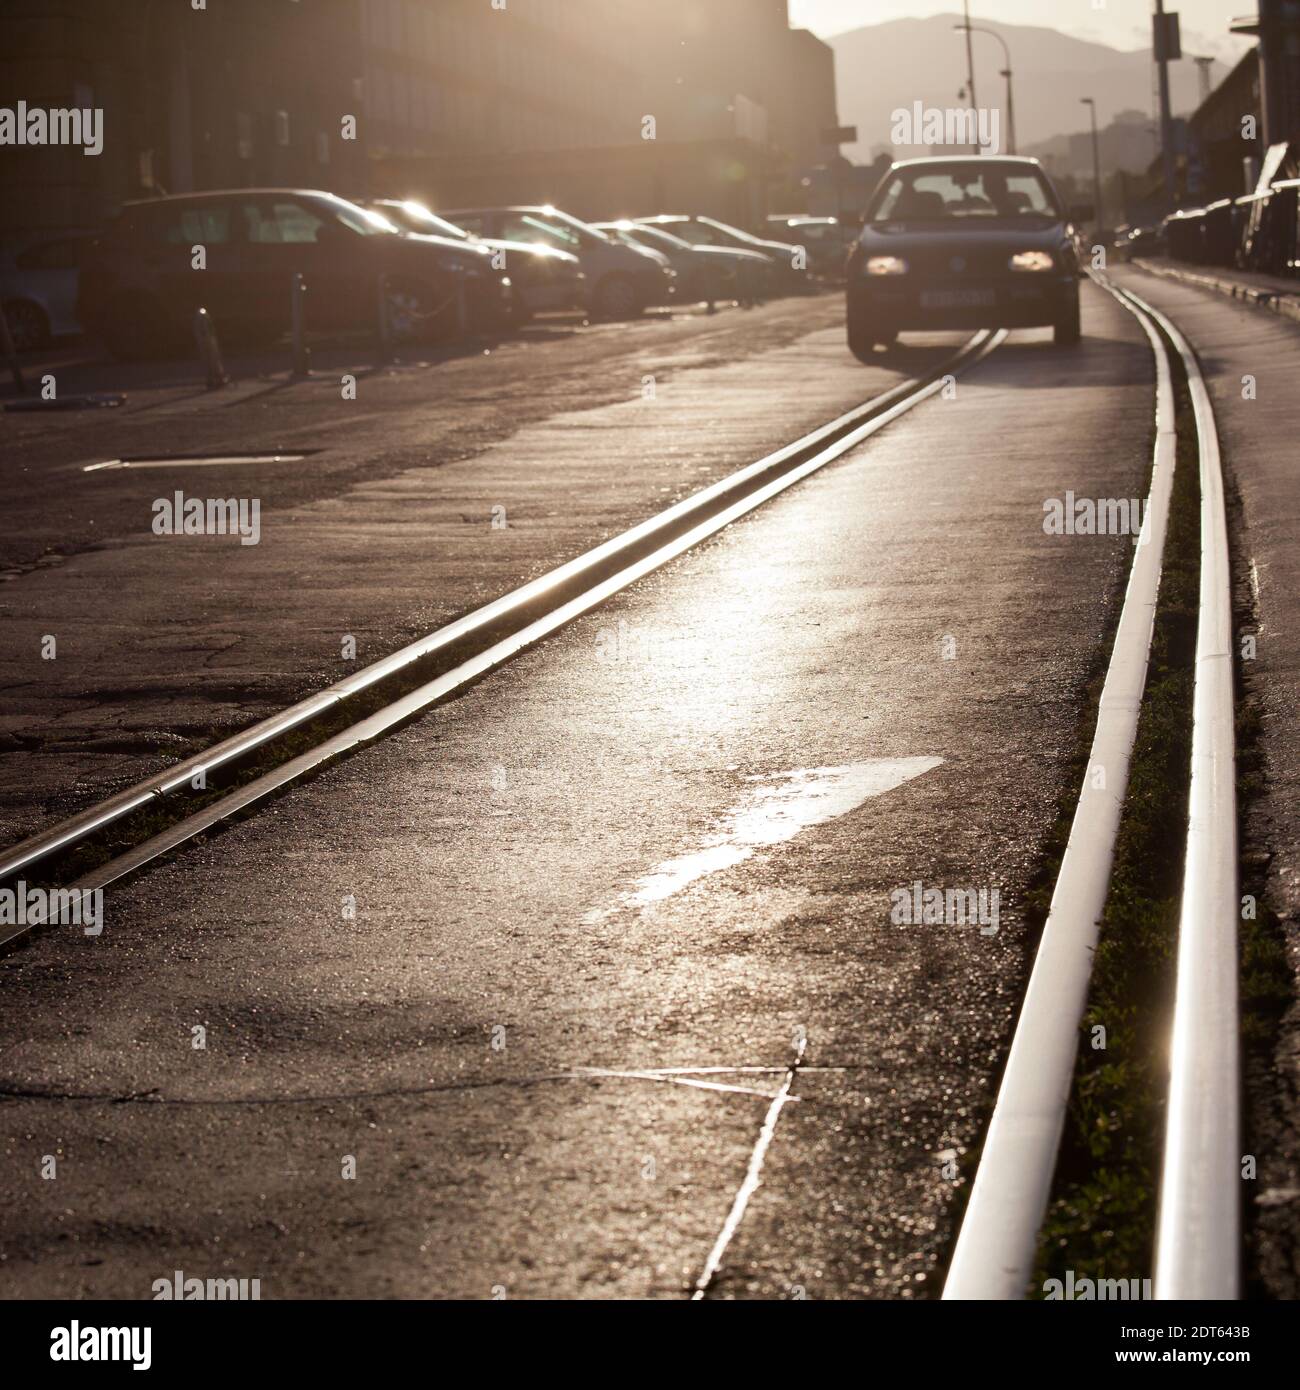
(970, 77)
(1091, 104)
(969, 29)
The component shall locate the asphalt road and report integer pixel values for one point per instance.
(665, 846)
(436, 489)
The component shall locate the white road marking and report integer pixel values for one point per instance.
(753, 1175)
(777, 810)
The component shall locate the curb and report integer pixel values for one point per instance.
(1286, 304)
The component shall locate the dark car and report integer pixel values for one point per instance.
(38, 286)
(703, 272)
(826, 239)
(544, 277)
(963, 243)
(622, 280)
(141, 282)
(789, 273)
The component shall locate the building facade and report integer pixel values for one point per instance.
(231, 95)
(604, 107)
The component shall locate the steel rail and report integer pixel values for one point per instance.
(1198, 1230)
(70, 832)
(408, 706)
(995, 1250)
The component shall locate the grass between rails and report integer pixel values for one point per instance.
(1101, 1218)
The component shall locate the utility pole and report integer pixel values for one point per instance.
(1006, 72)
(1091, 104)
(1162, 31)
(970, 74)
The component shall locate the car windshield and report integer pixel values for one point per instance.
(568, 231)
(360, 219)
(655, 237)
(731, 233)
(963, 191)
(690, 232)
(417, 218)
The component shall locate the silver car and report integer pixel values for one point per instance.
(622, 280)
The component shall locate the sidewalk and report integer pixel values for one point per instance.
(1264, 291)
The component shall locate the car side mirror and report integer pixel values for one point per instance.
(1082, 212)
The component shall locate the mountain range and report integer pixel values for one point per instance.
(888, 67)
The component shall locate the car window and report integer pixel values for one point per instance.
(963, 191)
(527, 226)
(659, 239)
(690, 231)
(472, 222)
(208, 225)
(731, 234)
(417, 218)
(584, 230)
(280, 223)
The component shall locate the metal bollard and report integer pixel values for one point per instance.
(298, 323)
(205, 338)
(10, 353)
(385, 327)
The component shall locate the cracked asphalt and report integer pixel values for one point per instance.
(451, 1044)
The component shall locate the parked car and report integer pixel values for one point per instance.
(703, 272)
(787, 276)
(544, 276)
(1270, 229)
(963, 243)
(826, 239)
(622, 280)
(38, 287)
(140, 286)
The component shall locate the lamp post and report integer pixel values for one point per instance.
(1006, 72)
(1091, 104)
(970, 75)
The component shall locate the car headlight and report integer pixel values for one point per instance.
(887, 265)
(1031, 261)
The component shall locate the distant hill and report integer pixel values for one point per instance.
(890, 66)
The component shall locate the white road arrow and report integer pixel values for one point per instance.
(776, 810)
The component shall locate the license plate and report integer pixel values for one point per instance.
(958, 299)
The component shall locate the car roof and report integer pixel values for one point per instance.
(214, 193)
(1019, 159)
(505, 207)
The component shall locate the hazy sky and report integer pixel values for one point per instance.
(1119, 23)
